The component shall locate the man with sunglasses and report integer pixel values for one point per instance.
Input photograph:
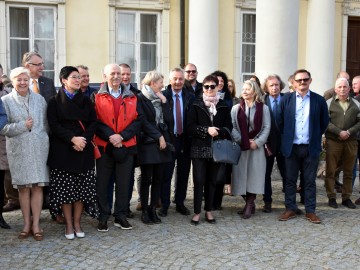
(191, 82)
(302, 122)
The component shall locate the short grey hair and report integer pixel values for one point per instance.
(152, 76)
(18, 71)
(341, 79)
(28, 55)
(177, 69)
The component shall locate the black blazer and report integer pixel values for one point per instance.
(47, 88)
(274, 138)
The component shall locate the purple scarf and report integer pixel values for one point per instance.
(244, 123)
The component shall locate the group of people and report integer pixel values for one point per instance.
(52, 138)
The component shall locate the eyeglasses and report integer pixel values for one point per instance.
(38, 65)
(207, 87)
(190, 71)
(302, 80)
(75, 77)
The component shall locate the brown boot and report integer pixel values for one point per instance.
(249, 206)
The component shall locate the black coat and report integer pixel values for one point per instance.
(63, 117)
(274, 138)
(198, 90)
(47, 88)
(148, 140)
(198, 123)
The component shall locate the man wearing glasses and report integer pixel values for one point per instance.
(191, 82)
(38, 83)
(302, 122)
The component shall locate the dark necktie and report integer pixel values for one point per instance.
(276, 110)
(179, 128)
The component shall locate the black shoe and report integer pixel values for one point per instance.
(332, 203)
(211, 221)
(102, 227)
(194, 222)
(349, 204)
(163, 212)
(129, 214)
(299, 212)
(153, 215)
(10, 207)
(267, 207)
(145, 218)
(3, 223)
(182, 210)
(122, 223)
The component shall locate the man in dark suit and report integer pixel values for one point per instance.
(303, 120)
(38, 83)
(191, 82)
(272, 86)
(179, 100)
(85, 80)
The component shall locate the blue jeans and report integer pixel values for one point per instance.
(300, 159)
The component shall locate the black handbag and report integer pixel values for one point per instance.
(226, 151)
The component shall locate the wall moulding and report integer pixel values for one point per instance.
(140, 4)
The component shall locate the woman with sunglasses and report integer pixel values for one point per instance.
(208, 119)
(27, 145)
(72, 121)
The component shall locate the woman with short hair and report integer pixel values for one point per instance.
(27, 145)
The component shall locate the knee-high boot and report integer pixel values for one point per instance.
(250, 205)
(241, 211)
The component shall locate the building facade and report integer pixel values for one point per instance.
(239, 37)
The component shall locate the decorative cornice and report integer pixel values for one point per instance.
(351, 7)
(143, 4)
(246, 4)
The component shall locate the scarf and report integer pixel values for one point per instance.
(244, 123)
(156, 102)
(211, 102)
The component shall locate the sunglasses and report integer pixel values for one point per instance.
(302, 80)
(190, 71)
(212, 87)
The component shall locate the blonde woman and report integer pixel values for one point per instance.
(251, 127)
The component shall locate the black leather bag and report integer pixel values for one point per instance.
(226, 151)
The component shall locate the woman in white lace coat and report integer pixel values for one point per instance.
(27, 145)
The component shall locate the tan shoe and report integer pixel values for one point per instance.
(313, 218)
(288, 214)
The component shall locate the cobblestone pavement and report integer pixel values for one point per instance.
(261, 242)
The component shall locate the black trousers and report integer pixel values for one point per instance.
(206, 174)
(269, 167)
(151, 174)
(104, 169)
(2, 190)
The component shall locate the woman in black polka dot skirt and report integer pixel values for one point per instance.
(72, 121)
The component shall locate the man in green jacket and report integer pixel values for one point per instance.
(341, 141)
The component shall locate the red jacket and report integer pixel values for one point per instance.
(127, 115)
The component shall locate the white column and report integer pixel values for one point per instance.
(204, 36)
(320, 44)
(277, 23)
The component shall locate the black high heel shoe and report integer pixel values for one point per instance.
(211, 221)
(3, 223)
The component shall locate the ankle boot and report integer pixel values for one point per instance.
(250, 205)
(153, 215)
(145, 216)
(3, 223)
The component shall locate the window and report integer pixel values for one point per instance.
(248, 40)
(32, 28)
(137, 42)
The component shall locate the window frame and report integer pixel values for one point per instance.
(31, 8)
(136, 70)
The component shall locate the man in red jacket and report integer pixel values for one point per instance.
(119, 122)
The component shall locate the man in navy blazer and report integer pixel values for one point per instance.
(303, 120)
